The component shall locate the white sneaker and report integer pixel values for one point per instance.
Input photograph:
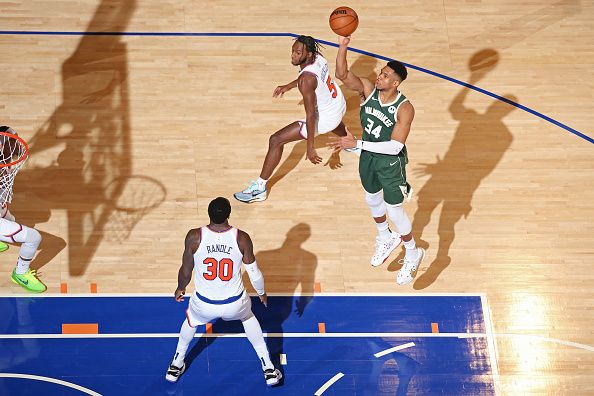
(174, 372)
(409, 269)
(252, 193)
(272, 376)
(384, 248)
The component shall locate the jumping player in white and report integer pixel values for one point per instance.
(324, 108)
(216, 252)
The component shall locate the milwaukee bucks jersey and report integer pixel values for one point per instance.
(379, 119)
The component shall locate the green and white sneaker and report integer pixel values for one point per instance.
(251, 194)
(3, 247)
(29, 281)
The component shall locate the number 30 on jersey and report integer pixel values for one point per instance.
(222, 269)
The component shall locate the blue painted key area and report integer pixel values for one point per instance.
(135, 365)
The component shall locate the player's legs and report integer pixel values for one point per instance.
(392, 176)
(386, 240)
(242, 310)
(5, 214)
(29, 238)
(198, 313)
(256, 191)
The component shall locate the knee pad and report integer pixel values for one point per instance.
(399, 218)
(376, 203)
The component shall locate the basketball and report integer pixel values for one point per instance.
(344, 21)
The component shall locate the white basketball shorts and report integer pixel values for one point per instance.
(200, 312)
(327, 121)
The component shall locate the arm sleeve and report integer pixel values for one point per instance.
(256, 277)
(391, 147)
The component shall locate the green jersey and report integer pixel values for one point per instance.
(378, 119)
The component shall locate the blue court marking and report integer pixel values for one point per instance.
(401, 314)
(264, 34)
(129, 363)
(229, 366)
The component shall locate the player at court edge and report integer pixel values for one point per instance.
(13, 153)
(324, 108)
(386, 119)
(215, 252)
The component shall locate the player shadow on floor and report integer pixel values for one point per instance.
(284, 269)
(363, 66)
(83, 147)
(478, 146)
(380, 379)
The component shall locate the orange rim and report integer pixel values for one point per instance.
(23, 143)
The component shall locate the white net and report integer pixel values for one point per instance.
(13, 153)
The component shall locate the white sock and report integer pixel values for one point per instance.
(410, 249)
(22, 265)
(383, 230)
(261, 183)
(254, 334)
(186, 335)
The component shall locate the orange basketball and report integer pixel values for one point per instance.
(344, 21)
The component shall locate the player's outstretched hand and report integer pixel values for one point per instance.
(342, 40)
(264, 299)
(179, 295)
(342, 142)
(313, 157)
(280, 90)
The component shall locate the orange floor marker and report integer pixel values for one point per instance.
(434, 328)
(209, 328)
(93, 288)
(63, 288)
(322, 327)
(317, 287)
(80, 328)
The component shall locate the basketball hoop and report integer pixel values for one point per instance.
(13, 153)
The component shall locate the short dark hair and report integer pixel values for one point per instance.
(399, 69)
(310, 44)
(4, 128)
(219, 210)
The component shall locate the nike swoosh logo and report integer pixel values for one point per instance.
(392, 163)
(24, 282)
(374, 99)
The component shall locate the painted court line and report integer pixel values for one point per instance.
(491, 345)
(52, 380)
(328, 383)
(242, 335)
(394, 349)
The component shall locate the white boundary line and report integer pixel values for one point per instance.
(242, 335)
(394, 349)
(328, 383)
(52, 380)
(491, 345)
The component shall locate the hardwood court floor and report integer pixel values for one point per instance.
(166, 123)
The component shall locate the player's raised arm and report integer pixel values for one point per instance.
(184, 275)
(362, 86)
(249, 261)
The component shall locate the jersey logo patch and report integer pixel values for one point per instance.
(391, 109)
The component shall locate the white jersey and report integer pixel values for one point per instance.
(217, 265)
(328, 95)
